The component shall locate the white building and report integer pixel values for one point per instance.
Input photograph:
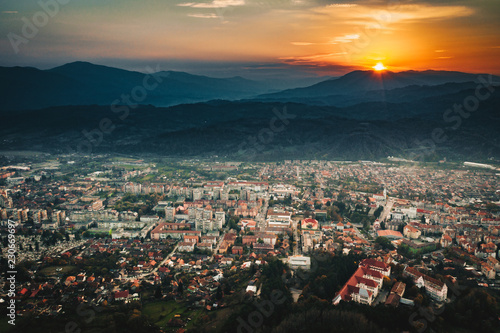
(296, 262)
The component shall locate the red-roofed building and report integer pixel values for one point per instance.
(446, 240)
(436, 289)
(121, 295)
(391, 234)
(309, 224)
(376, 265)
(364, 284)
(411, 232)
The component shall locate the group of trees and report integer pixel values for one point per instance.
(287, 201)
(378, 211)
(327, 275)
(142, 204)
(384, 242)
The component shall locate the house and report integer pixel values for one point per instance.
(223, 247)
(258, 247)
(205, 246)
(186, 247)
(278, 218)
(446, 240)
(249, 239)
(411, 232)
(488, 271)
(296, 262)
(121, 295)
(162, 231)
(364, 284)
(435, 288)
(226, 261)
(267, 238)
(191, 239)
(494, 263)
(309, 224)
(237, 250)
(376, 265)
(362, 287)
(393, 300)
(209, 239)
(252, 289)
(398, 288)
(230, 238)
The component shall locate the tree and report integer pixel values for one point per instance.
(218, 293)
(180, 287)
(384, 242)
(378, 211)
(387, 282)
(158, 293)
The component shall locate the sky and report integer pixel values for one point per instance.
(254, 37)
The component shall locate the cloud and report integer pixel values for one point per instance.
(302, 43)
(213, 4)
(346, 38)
(9, 12)
(204, 15)
(344, 5)
(385, 15)
(323, 59)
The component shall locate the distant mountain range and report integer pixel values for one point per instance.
(368, 86)
(83, 83)
(254, 131)
(361, 115)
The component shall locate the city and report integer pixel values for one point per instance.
(176, 244)
(249, 166)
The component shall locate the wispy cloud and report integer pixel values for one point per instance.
(302, 43)
(343, 5)
(313, 59)
(213, 4)
(209, 16)
(346, 38)
(9, 12)
(401, 14)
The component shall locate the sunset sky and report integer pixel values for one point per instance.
(257, 37)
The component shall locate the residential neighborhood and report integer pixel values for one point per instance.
(197, 238)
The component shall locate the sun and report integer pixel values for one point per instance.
(379, 67)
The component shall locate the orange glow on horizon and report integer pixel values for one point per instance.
(379, 67)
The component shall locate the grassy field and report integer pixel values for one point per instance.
(161, 312)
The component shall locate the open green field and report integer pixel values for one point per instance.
(161, 312)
